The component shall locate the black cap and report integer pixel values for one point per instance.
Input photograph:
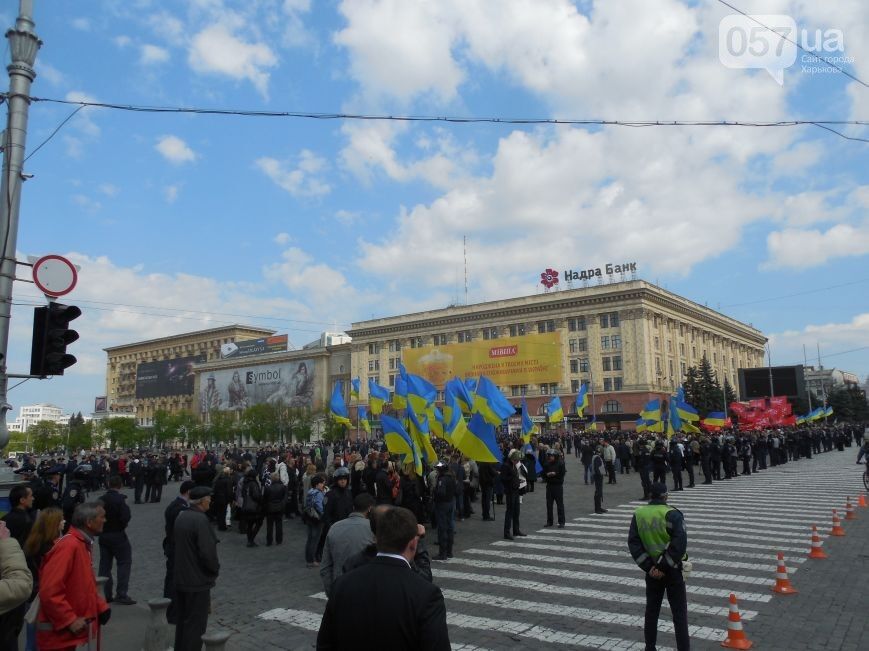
(199, 492)
(186, 486)
(658, 489)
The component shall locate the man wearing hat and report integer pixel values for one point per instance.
(180, 503)
(196, 570)
(553, 475)
(514, 480)
(444, 497)
(658, 543)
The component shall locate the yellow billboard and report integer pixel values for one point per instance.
(530, 359)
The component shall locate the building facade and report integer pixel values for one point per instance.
(629, 341)
(821, 381)
(32, 414)
(145, 377)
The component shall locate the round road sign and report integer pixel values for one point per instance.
(54, 275)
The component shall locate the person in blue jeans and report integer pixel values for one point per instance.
(314, 504)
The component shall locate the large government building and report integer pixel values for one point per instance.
(629, 341)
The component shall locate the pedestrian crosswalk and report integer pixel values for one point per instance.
(579, 587)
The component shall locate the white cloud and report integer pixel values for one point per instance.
(801, 249)
(74, 146)
(324, 286)
(799, 159)
(122, 41)
(86, 203)
(283, 239)
(49, 73)
(170, 193)
(81, 24)
(831, 337)
(83, 120)
(169, 27)
(300, 181)
(153, 54)
(216, 50)
(175, 150)
(109, 189)
(347, 217)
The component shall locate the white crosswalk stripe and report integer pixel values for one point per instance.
(578, 585)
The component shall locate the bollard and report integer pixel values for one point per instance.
(215, 640)
(157, 637)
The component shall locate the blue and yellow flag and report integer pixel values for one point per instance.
(828, 411)
(641, 425)
(476, 440)
(555, 410)
(436, 422)
(686, 411)
(490, 403)
(529, 427)
(464, 396)
(454, 421)
(420, 393)
(399, 397)
(337, 408)
(398, 441)
(675, 418)
(652, 410)
(354, 389)
(362, 416)
(421, 435)
(377, 396)
(582, 399)
(715, 419)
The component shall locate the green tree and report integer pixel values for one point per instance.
(261, 422)
(187, 426)
(164, 428)
(121, 432)
(219, 428)
(45, 436)
(333, 431)
(848, 403)
(299, 424)
(729, 393)
(689, 385)
(81, 436)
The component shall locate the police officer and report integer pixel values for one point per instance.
(553, 474)
(658, 543)
(598, 470)
(137, 474)
(643, 464)
(444, 496)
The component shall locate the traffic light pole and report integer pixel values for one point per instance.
(23, 46)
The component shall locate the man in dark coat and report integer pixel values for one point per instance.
(385, 600)
(180, 503)
(553, 474)
(114, 544)
(196, 570)
(18, 520)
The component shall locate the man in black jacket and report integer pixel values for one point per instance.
(114, 544)
(488, 471)
(553, 475)
(444, 496)
(196, 570)
(385, 600)
(180, 503)
(18, 520)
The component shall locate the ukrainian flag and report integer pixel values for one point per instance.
(362, 415)
(420, 434)
(652, 410)
(675, 418)
(490, 403)
(686, 411)
(398, 441)
(337, 408)
(715, 419)
(377, 396)
(354, 389)
(399, 398)
(454, 422)
(556, 412)
(828, 411)
(528, 426)
(436, 421)
(464, 395)
(641, 425)
(582, 399)
(420, 393)
(476, 440)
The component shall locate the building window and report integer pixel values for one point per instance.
(572, 346)
(490, 333)
(439, 340)
(373, 365)
(670, 364)
(464, 336)
(616, 341)
(612, 407)
(582, 345)
(604, 320)
(617, 363)
(614, 319)
(607, 384)
(605, 362)
(395, 346)
(393, 363)
(519, 390)
(574, 386)
(416, 342)
(617, 384)
(657, 344)
(658, 365)
(546, 326)
(374, 349)
(714, 358)
(684, 368)
(544, 389)
(669, 346)
(682, 350)
(574, 366)
(693, 352)
(517, 330)
(583, 366)
(391, 380)
(605, 342)
(576, 324)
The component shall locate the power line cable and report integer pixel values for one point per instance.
(783, 37)
(53, 133)
(823, 124)
(809, 291)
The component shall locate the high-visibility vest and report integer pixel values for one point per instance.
(652, 527)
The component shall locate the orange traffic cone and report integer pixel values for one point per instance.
(816, 551)
(861, 501)
(735, 635)
(849, 510)
(837, 529)
(782, 582)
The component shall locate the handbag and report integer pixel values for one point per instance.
(33, 611)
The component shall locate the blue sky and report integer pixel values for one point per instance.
(182, 222)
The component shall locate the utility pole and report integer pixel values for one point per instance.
(23, 46)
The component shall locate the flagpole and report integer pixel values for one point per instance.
(823, 388)
(806, 363)
(591, 380)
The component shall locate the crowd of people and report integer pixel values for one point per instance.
(339, 493)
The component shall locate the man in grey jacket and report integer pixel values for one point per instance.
(196, 570)
(346, 538)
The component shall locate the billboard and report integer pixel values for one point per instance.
(248, 347)
(530, 359)
(101, 403)
(786, 381)
(167, 377)
(234, 389)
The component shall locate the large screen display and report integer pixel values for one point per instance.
(167, 377)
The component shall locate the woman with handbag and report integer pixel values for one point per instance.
(313, 516)
(46, 531)
(252, 506)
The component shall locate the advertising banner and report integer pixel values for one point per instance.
(101, 403)
(248, 347)
(168, 377)
(530, 359)
(290, 383)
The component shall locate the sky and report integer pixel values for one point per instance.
(186, 221)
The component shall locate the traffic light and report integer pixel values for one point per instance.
(51, 335)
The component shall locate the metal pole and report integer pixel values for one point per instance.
(591, 380)
(805, 364)
(23, 45)
(769, 366)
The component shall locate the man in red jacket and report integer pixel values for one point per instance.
(72, 610)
